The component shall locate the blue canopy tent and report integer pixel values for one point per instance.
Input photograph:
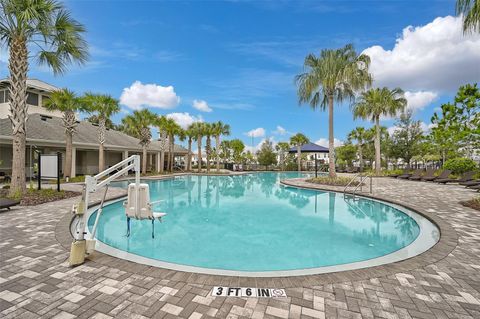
(310, 148)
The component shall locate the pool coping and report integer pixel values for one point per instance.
(446, 244)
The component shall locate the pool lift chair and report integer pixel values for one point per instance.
(137, 206)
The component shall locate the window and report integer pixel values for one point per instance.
(4, 96)
(32, 98)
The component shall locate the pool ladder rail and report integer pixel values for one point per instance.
(360, 185)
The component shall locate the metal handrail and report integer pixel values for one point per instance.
(362, 179)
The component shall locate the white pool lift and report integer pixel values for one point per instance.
(137, 206)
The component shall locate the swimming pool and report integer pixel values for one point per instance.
(252, 225)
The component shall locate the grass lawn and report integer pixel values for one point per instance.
(34, 197)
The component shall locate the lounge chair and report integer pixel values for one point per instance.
(429, 173)
(443, 174)
(6, 203)
(477, 187)
(407, 175)
(396, 175)
(416, 176)
(468, 176)
(471, 183)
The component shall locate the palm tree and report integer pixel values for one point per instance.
(57, 38)
(376, 103)
(208, 132)
(199, 129)
(67, 102)
(358, 134)
(159, 122)
(219, 129)
(335, 75)
(298, 140)
(172, 129)
(138, 126)
(190, 134)
(104, 106)
(470, 11)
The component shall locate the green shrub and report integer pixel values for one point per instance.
(337, 181)
(460, 165)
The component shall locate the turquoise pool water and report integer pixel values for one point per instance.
(252, 223)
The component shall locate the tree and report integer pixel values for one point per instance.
(237, 147)
(298, 140)
(335, 75)
(376, 103)
(172, 129)
(190, 134)
(164, 142)
(104, 106)
(198, 129)
(346, 153)
(282, 149)
(407, 138)
(358, 134)
(470, 12)
(219, 129)
(67, 102)
(457, 128)
(266, 155)
(208, 132)
(57, 40)
(138, 126)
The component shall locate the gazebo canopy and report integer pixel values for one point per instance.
(309, 148)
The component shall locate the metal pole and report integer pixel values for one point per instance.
(59, 163)
(316, 168)
(39, 178)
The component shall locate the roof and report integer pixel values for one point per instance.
(309, 148)
(33, 84)
(50, 129)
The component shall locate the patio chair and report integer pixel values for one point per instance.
(6, 203)
(468, 176)
(145, 210)
(477, 187)
(396, 175)
(416, 175)
(470, 183)
(407, 175)
(443, 174)
(429, 173)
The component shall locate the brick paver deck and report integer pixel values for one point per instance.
(35, 280)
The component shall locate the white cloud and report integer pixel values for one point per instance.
(184, 119)
(256, 148)
(281, 131)
(424, 126)
(201, 105)
(153, 95)
(418, 100)
(258, 132)
(324, 142)
(435, 57)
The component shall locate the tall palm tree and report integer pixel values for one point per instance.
(190, 135)
(57, 39)
(160, 122)
(137, 125)
(219, 129)
(208, 132)
(298, 140)
(104, 106)
(335, 75)
(376, 103)
(66, 101)
(358, 134)
(199, 129)
(172, 129)
(470, 11)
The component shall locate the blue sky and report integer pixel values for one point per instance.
(240, 57)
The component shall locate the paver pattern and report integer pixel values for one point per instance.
(36, 281)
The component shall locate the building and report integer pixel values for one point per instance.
(37, 92)
(46, 134)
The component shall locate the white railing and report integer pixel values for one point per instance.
(360, 184)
